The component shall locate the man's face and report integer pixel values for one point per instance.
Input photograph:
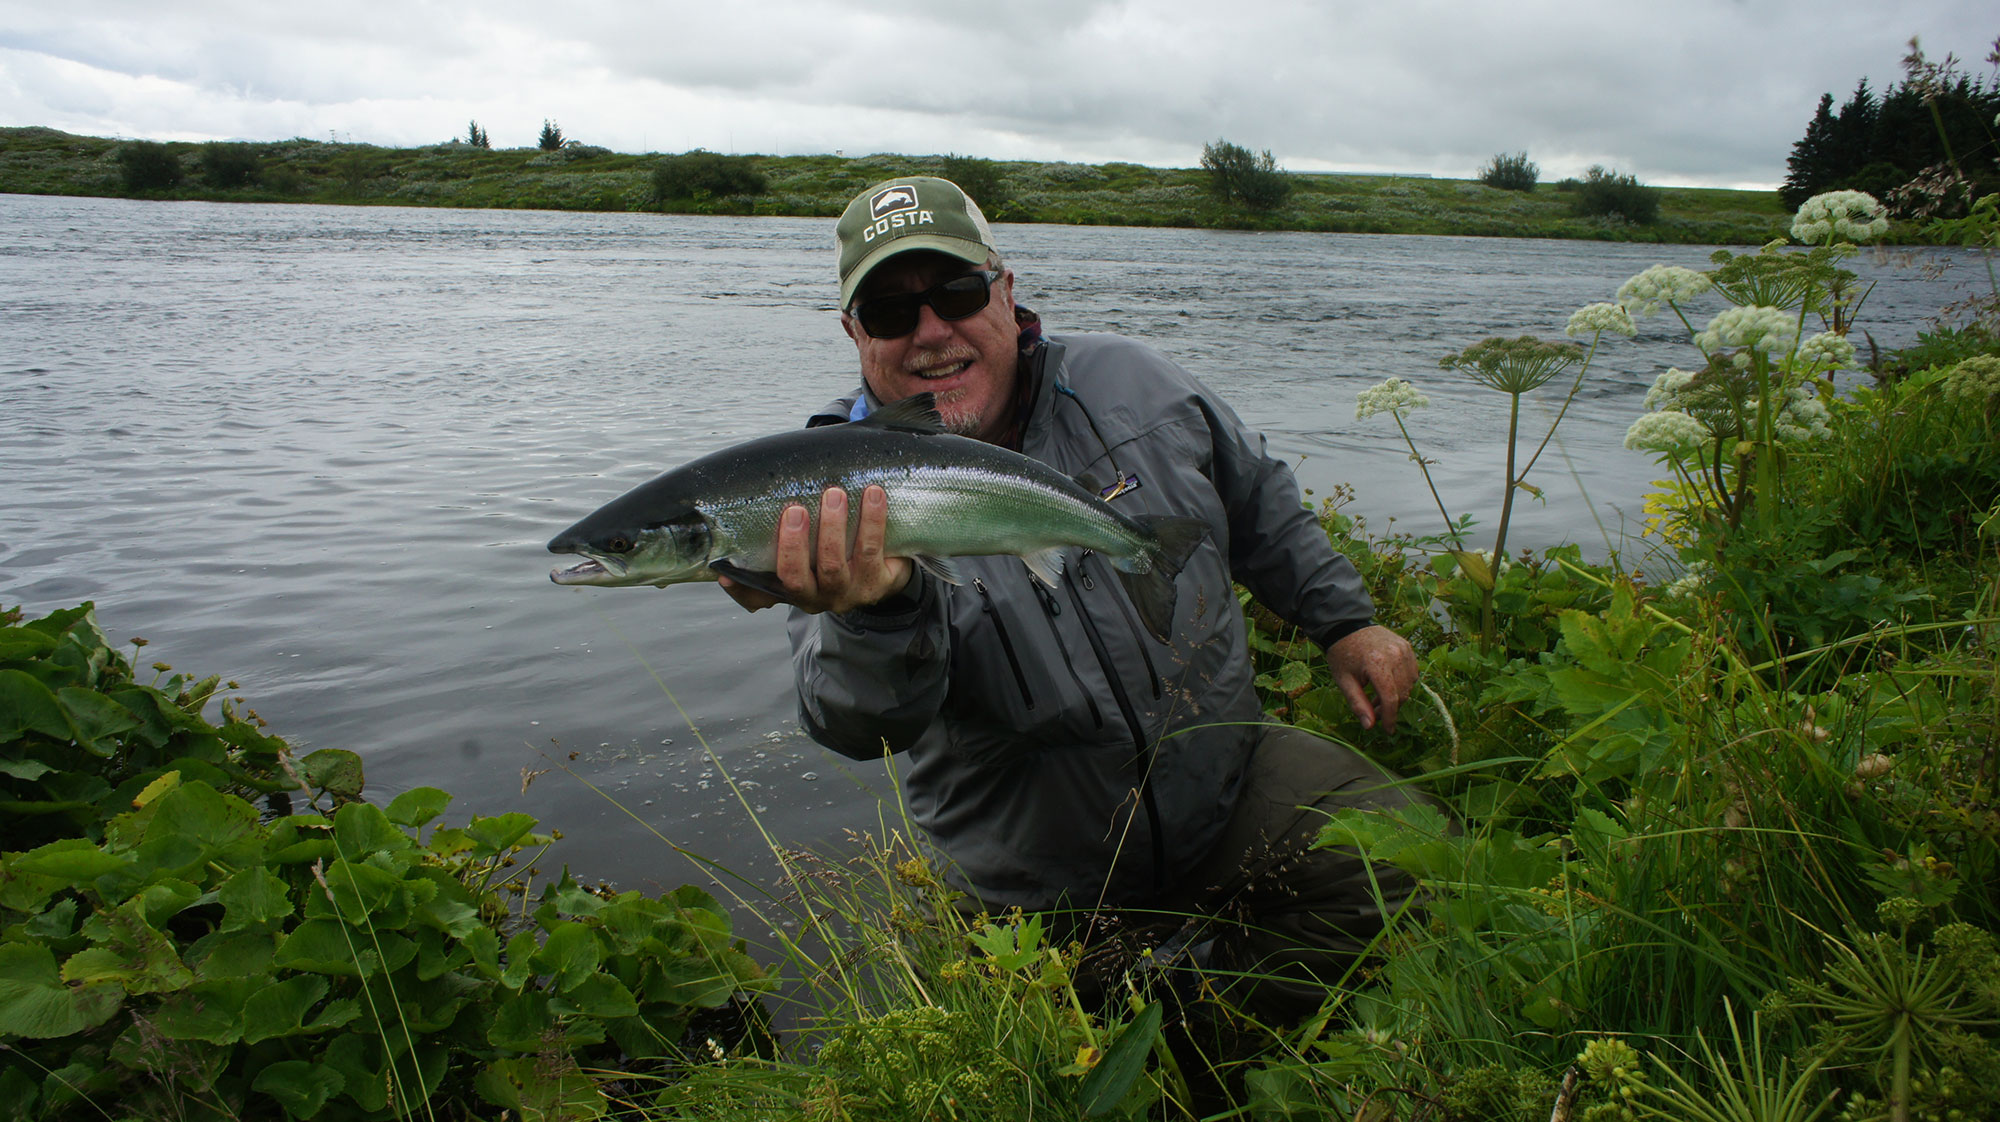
(968, 363)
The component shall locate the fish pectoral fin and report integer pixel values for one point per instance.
(917, 413)
(762, 581)
(943, 568)
(1046, 565)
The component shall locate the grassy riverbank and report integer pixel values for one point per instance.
(46, 162)
(1722, 843)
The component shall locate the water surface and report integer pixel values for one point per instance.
(319, 451)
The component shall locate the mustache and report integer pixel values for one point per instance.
(924, 360)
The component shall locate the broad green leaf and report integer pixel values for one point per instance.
(335, 770)
(417, 806)
(234, 954)
(94, 717)
(360, 829)
(280, 1009)
(27, 705)
(160, 785)
(300, 1086)
(571, 954)
(498, 832)
(133, 954)
(535, 1088)
(520, 1022)
(23, 643)
(360, 1063)
(362, 894)
(75, 861)
(599, 995)
(254, 898)
(1122, 1064)
(25, 770)
(35, 1002)
(326, 946)
(194, 824)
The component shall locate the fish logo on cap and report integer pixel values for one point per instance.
(892, 201)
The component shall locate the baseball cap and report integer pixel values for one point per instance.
(905, 214)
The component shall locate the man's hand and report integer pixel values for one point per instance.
(829, 575)
(1374, 658)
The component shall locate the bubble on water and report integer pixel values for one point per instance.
(810, 775)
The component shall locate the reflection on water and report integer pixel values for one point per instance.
(319, 450)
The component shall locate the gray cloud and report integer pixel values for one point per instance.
(1711, 92)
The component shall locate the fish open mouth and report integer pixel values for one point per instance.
(587, 571)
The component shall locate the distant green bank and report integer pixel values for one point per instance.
(41, 161)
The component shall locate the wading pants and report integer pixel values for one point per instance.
(1291, 920)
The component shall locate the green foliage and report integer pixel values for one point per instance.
(1510, 173)
(1607, 194)
(702, 174)
(476, 136)
(551, 137)
(144, 166)
(44, 161)
(227, 167)
(979, 178)
(1936, 117)
(165, 948)
(1238, 175)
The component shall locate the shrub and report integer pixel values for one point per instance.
(228, 166)
(702, 174)
(172, 949)
(1605, 193)
(979, 178)
(1237, 175)
(552, 136)
(1510, 173)
(147, 166)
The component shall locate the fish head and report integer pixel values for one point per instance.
(617, 553)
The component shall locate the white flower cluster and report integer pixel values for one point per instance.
(1802, 416)
(1643, 294)
(1592, 319)
(1669, 431)
(1392, 396)
(1826, 352)
(1690, 581)
(1667, 388)
(1756, 327)
(1839, 216)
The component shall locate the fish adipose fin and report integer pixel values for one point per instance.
(1152, 590)
(764, 582)
(916, 413)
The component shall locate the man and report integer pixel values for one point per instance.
(1063, 757)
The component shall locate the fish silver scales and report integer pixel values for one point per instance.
(949, 496)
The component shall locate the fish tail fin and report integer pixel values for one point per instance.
(1152, 587)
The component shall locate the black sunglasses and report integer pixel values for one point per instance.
(892, 317)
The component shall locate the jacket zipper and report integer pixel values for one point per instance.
(1142, 752)
(1131, 621)
(1006, 641)
(1054, 608)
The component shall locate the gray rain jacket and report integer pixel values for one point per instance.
(1056, 751)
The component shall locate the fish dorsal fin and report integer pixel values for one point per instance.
(916, 413)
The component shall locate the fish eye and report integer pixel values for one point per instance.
(619, 545)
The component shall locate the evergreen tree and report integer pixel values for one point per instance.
(552, 137)
(477, 137)
(1808, 168)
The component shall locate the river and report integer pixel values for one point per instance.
(319, 451)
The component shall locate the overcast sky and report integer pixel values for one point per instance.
(1699, 92)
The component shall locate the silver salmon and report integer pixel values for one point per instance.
(949, 496)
